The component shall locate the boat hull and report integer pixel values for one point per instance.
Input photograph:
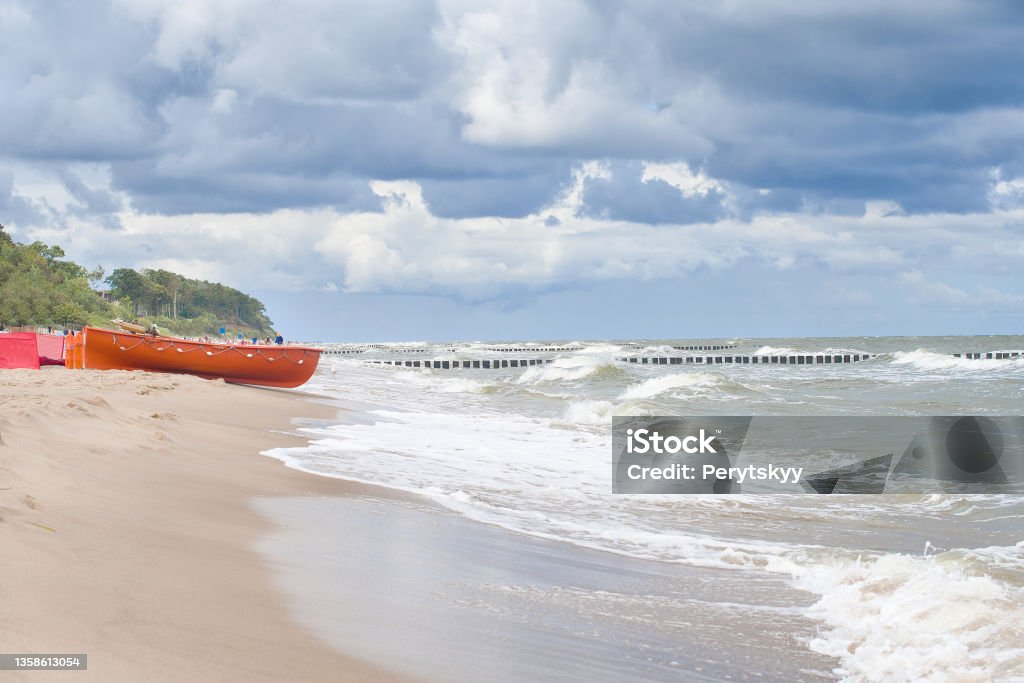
(265, 365)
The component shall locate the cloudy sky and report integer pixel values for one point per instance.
(408, 169)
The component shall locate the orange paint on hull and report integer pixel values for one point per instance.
(274, 366)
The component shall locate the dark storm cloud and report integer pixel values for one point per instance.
(912, 102)
(206, 106)
(257, 190)
(892, 58)
(269, 153)
(92, 200)
(505, 197)
(63, 71)
(15, 208)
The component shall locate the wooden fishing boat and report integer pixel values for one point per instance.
(263, 364)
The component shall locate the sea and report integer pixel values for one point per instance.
(887, 587)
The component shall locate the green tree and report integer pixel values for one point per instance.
(39, 286)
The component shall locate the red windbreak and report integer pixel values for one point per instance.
(50, 348)
(18, 350)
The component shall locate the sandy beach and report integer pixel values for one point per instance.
(149, 521)
(127, 528)
(141, 526)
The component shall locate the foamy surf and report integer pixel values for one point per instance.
(563, 369)
(682, 385)
(589, 412)
(899, 617)
(767, 350)
(695, 383)
(924, 359)
(528, 450)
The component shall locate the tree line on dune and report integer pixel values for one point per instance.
(38, 286)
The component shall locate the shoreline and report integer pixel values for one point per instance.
(521, 607)
(403, 561)
(129, 534)
(141, 530)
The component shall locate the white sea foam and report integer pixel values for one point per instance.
(599, 348)
(596, 412)
(446, 385)
(898, 617)
(692, 383)
(538, 374)
(590, 412)
(659, 350)
(786, 350)
(1004, 558)
(455, 385)
(564, 369)
(774, 351)
(923, 359)
(529, 475)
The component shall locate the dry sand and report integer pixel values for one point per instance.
(127, 534)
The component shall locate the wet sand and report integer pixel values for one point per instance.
(444, 598)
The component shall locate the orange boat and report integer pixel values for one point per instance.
(267, 365)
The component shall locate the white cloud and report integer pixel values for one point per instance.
(224, 100)
(536, 74)
(1006, 194)
(323, 52)
(679, 176)
(406, 248)
(882, 209)
(989, 296)
(930, 292)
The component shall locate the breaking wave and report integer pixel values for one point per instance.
(922, 359)
(566, 369)
(684, 385)
(900, 617)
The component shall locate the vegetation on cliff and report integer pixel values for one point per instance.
(38, 286)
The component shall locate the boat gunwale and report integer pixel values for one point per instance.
(200, 343)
